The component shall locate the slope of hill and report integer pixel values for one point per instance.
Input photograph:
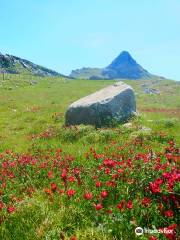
(62, 182)
(122, 67)
(12, 64)
(87, 73)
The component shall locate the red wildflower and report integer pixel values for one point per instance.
(88, 196)
(146, 201)
(10, 209)
(109, 163)
(64, 174)
(129, 162)
(71, 179)
(53, 187)
(104, 194)
(169, 213)
(73, 238)
(115, 176)
(76, 171)
(59, 150)
(120, 170)
(121, 204)
(98, 206)
(165, 199)
(129, 204)
(98, 184)
(171, 143)
(50, 174)
(107, 171)
(158, 181)
(152, 238)
(1, 205)
(61, 191)
(155, 186)
(109, 211)
(170, 232)
(110, 184)
(48, 191)
(71, 192)
(173, 226)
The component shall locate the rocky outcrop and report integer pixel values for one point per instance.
(113, 104)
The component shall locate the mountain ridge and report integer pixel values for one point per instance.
(122, 67)
(13, 64)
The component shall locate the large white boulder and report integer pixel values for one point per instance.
(112, 104)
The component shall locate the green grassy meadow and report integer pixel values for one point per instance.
(32, 124)
(26, 109)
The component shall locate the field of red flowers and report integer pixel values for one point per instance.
(112, 191)
(82, 183)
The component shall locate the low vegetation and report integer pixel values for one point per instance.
(79, 182)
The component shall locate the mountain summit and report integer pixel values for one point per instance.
(124, 57)
(124, 66)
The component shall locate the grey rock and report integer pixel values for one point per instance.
(128, 125)
(151, 91)
(113, 104)
(33, 82)
(145, 129)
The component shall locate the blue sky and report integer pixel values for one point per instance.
(69, 34)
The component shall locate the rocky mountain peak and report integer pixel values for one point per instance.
(123, 58)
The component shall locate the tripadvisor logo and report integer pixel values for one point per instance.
(138, 231)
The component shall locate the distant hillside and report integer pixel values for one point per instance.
(123, 67)
(87, 73)
(12, 64)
